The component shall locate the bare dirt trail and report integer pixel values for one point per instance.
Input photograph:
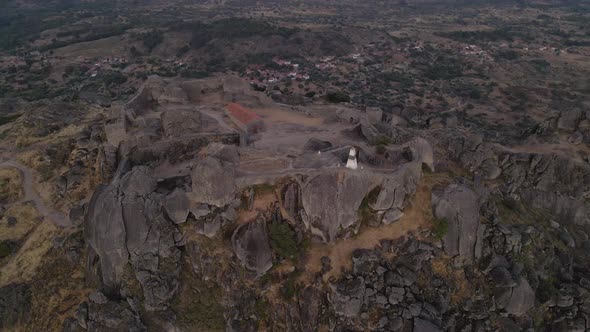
(58, 218)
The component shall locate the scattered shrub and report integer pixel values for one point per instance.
(5, 250)
(263, 189)
(440, 228)
(8, 118)
(282, 239)
(290, 287)
(381, 140)
(380, 149)
(507, 55)
(337, 97)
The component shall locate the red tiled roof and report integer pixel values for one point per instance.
(242, 114)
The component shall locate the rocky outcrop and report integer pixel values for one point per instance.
(567, 209)
(314, 145)
(179, 123)
(516, 300)
(214, 178)
(553, 183)
(459, 207)
(547, 173)
(397, 187)
(177, 206)
(348, 296)
(291, 200)
(422, 152)
(126, 223)
(104, 232)
(251, 245)
(331, 200)
(569, 120)
(107, 315)
(154, 92)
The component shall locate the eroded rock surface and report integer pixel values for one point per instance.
(251, 245)
(459, 207)
(214, 178)
(125, 224)
(331, 200)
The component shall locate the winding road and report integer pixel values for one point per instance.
(31, 194)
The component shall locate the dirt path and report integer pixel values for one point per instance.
(58, 218)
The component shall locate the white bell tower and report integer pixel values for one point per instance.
(351, 163)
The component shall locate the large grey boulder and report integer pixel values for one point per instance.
(548, 173)
(552, 183)
(177, 206)
(569, 120)
(468, 149)
(331, 200)
(109, 316)
(502, 277)
(397, 187)
(567, 209)
(182, 122)
(490, 170)
(251, 245)
(517, 300)
(291, 199)
(421, 325)
(314, 145)
(104, 231)
(421, 152)
(392, 216)
(214, 178)
(460, 207)
(126, 223)
(146, 97)
(347, 296)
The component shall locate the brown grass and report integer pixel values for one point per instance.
(10, 185)
(58, 288)
(23, 265)
(461, 289)
(262, 202)
(27, 217)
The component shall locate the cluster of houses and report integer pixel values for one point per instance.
(174, 60)
(102, 63)
(264, 75)
(326, 62)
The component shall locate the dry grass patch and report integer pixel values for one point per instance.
(27, 217)
(10, 185)
(461, 289)
(29, 158)
(23, 265)
(58, 288)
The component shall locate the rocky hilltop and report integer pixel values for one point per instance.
(196, 221)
